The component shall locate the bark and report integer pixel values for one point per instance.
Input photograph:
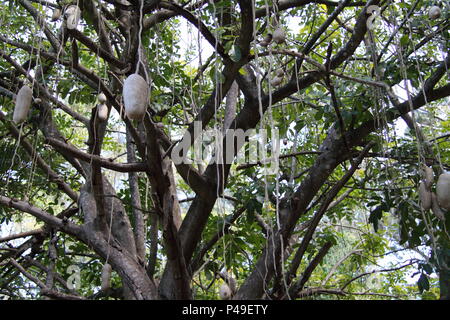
(107, 228)
(444, 278)
(230, 105)
(139, 223)
(118, 227)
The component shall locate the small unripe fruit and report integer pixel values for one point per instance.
(434, 12)
(279, 36)
(101, 98)
(56, 14)
(267, 40)
(429, 176)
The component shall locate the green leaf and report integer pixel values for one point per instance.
(242, 71)
(404, 40)
(330, 9)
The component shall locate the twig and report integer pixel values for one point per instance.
(21, 235)
(196, 261)
(27, 274)
(323, 208)
(296, 287)
(376, 271)
(334, 268)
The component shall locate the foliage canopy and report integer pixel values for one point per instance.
(355, 97)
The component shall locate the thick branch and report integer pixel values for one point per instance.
(105, 163)
(42, 215)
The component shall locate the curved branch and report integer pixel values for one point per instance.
(21, 235)
(66, 226)
(102, 53)
(105, 163)
(376, 271)
(199, 25)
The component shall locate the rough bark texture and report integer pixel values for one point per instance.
(106, 227)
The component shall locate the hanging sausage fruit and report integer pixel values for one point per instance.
(135, 96)
(443, 190)
(23, 103)
(429, 176)
(102, 111)
(424, 196)
(435, 207)
(73, 14)
(225, 292)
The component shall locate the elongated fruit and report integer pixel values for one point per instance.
(429, 176)
(435, 207)
(23, 103)
(102, 112)
(73, 14)
(443, 190)
(424, 196)
(135, 96)
(225, 292)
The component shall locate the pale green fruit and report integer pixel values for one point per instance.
(23, 103)
(135, 96)
(443, 191)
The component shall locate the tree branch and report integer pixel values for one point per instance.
(34, 156)
(298, 286)
(90, 158)
(44, 216)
